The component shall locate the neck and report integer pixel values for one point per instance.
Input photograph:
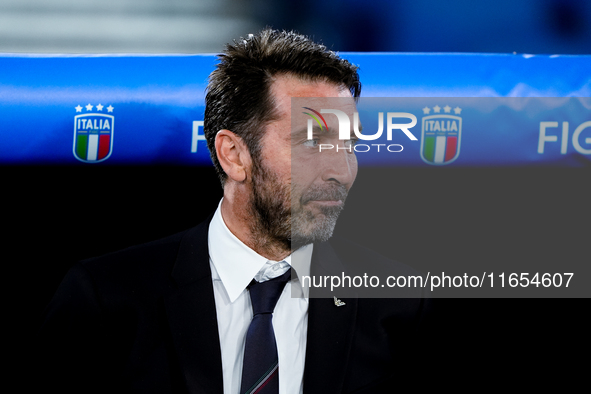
(240, 221)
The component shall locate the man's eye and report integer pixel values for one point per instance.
(311, 143)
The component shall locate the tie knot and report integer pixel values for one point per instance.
(264, 295)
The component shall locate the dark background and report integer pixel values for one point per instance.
(57, 215)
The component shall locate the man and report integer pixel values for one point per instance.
(176, 315)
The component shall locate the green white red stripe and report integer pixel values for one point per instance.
(93, 137)
(441, 136)
(266, 378)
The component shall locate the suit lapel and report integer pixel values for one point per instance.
(192, 316)
(330, 330)
(192, 319)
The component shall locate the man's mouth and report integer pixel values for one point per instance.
(327, 197)
(327, 203)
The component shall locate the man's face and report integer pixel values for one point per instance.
(298, 191)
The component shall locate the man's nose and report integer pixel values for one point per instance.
(339, 165)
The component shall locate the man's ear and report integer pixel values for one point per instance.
(233, 155)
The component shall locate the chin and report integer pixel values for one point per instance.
(317, 233)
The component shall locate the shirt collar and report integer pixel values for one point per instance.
(236, 264)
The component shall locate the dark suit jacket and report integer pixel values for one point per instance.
(144, 320)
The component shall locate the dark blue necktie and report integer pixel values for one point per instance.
(260, 373)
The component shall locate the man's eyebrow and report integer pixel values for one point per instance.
(316, 130)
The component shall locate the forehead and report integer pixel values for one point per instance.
(284, 87)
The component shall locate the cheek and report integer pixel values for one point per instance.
(302, 177)
(279, 162)
(303, 172)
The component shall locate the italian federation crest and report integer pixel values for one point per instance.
(93, 134)
(441, 135)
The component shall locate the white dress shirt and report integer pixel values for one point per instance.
(233, 266)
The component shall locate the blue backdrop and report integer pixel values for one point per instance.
(54, 107)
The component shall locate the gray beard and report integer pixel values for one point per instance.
(276, 225)
(307, 227)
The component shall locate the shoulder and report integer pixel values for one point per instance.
(144, 255)
(145, 270)
(151, 259)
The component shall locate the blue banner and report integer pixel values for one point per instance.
(148, 109)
